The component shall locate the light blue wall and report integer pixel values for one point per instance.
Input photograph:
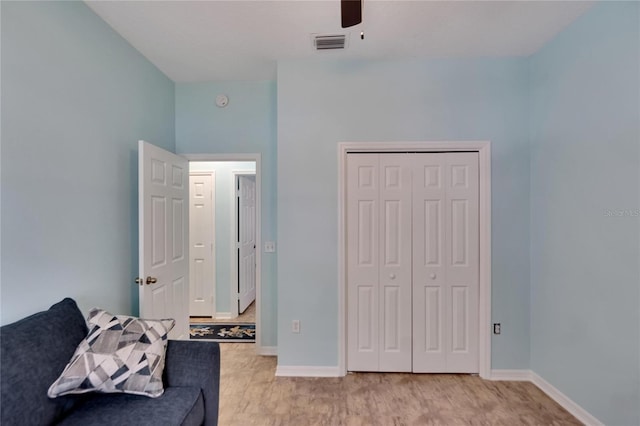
(585, 141)
(246, 125)
(225, 223)
(75, 100)
(323, 103)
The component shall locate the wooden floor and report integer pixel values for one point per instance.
(248, 316)
(250, 394)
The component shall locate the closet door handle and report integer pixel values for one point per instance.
(392, 276)
(432, 276)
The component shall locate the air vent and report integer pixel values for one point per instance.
(330, 42)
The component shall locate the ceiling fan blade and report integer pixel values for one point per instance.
(351, 12)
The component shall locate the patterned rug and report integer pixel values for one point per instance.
(223, 332)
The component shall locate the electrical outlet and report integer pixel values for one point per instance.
(270, 246)
(295, 326)
(496, 328)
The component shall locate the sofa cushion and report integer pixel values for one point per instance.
(177, 406)
(121, 354)
(34, 352)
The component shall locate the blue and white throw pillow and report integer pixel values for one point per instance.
(121, 354)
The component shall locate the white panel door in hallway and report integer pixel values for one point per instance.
(163, 237)
(246, 242)
(412, 262)
(201, 240)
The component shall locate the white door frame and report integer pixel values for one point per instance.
(257, 158)
(234, 249)
(483, 148)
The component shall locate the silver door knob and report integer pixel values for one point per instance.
(151, 280)
(392, 276)
(432, 276)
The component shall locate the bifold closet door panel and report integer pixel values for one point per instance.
(378, 262)
(445, 263)
(463, 260)
(363, 209)
(395, 263)
(430, 319)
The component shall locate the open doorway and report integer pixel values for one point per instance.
(224, 215)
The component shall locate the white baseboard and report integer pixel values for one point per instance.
(267, 350)
(306, 371)
(511, 375)
(223, 315)
(567, 403)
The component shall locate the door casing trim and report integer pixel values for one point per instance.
(483, 148)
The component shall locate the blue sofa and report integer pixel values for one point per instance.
(35, 350)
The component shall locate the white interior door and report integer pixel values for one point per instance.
(379, 236)
(247, 242)
(462, 257)
(163, 236)
(445, 263)
(412, 262)
(363, 262)
(201, 244)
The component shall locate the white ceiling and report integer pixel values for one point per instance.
(242, 40)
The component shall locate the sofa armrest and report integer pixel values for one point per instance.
(190, 363)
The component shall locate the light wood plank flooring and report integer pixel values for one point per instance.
(248, 316)
(250, 394)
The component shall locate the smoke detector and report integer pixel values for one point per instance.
(329, 42)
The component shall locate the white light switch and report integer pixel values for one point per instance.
(270, 246)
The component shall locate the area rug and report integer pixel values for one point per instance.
(223, 332)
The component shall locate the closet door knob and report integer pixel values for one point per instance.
(392, 276)
(432, 276)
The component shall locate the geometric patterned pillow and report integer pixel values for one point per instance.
(120, 354)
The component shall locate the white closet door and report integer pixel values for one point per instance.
(463, 261)
(363, 208)
(430, 321)
(445, 263)
(395, 263)
(412, 262)
(379, 262)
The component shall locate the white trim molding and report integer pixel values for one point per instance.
(306, 371)
(551, 391)
(223, 315)
(567, 403)
(267, 350)
(511, 375)
(483, 148)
